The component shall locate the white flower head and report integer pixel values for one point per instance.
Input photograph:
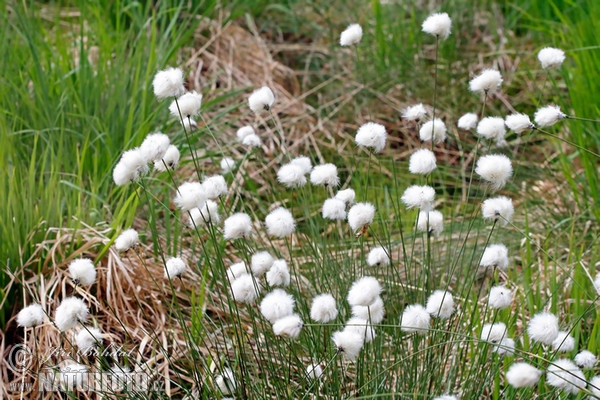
(289, 326)
(304, 163)
(323, 308)
(543, 327)
(82, 271)
(190, 195)
(421, 197)
(351, 35)
(168, 83)
(521, 375)
(280, 222)
(371, 135)
(468, 121)
(551, 57)
(440, 304)
(415, 113)
(261, 99)
(237, 226)
(170, 158)
(594, 385)
(88, 338)
(494, 333)
(278, 274)
(500, 297)
(565, 375)
(227, 165)
(186, 106)
(128, 239)
(314, 371)
(498, 209)
(245, 289)
(431, 222)
(496, 169)
(31, 316)
(364, 291)
(438, 24)
(549, 115)
(324, 175)
(422, 162)
(261, 262)
(252, 141)
(225, 381)
(433, 130)
(415, 318)
(373, 313)
(334, 209)
(154, 147)
(518, 122)
(487, 81)
(360, 216)
(70, 311)
(348, 343)
(208, 214)
(563, 343)
(291, 175)
(347, 196)
(174, 266)
(586, 359)
(361, 327)
(492, 128)
(505, 347)
(378, 256)
(244, 132)
(236, 270)
(73, 376)
(276, 305)
(495, 256)
(189, 124)
(131, 167)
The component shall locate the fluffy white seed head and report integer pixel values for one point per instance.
(492, 128)
(521, 375)
(131, 167)
(245, 289)
(276, 305)
(225, 381)
(364, 291)
(543, 327)
(279, 274)
(468, 121)
(289, 326)
(243, 132)
(237, 226)
(594, 385)
(433, 130)
(348, 343)
(236, 270)
(378, 256)
(597, 283)
(415, 113)
(422, 162)
(495, 256)
(438, 24)
(431, 222)
(361, 215)
(227, 165)
(304, 163)
(82, 271)
(70, 311)
(421, 197)
(351, 35)
(549, 115)
(374, 312)
(371, 135)
(154, 147)
(32, 315)
(261, 262)
(498, 209)
(496, 169)
(168, 83)
(128, 239)
(291, 175)
(214, 187)
(325, 175)
(563, 343)
(347, 196)
(361, 327)
(565, 375)
(487, 81)
(505, 347)
(188, 105)
(551, 57)
(586, 359)
(88, 338)
(518, 122)
(500, 297)
(208, 214)
(261, 99)
(170, 158)
(323, 309)
(314, 371)
(174, 267)
(415, 318)
(252, 141)
(280, 222)
(440, 304)
(494, 333)
(334, 209)
(190, 195)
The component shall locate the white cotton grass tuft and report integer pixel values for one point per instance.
(325, 175)
(494, 333)
(492, 128)
(131, 167)
(278, 274)
(586, 359)
(565, 375)
(304, 163)
(563, 343)
(518, 122)
(154, 147)
(261, 99)
(433, 130)
(214, 187)
(468, 121)
(361, 327)
(543, 327)
(505, 347)
(186, 106)
(252, 141)
(597, 283)
(291, 175)
(521, 375)
(82, 271)
(487, 81)
(128, 239)
(174, 267)
(170, 159)
(373, 313)
(70, 311)
(87, 339)
(415, 113)
(378, 256)
(289, 326)
(348, 343)
(236, 270)
(440, 304)
(261, 262)
(351, 35)
(361, 216)
(495, 256)
(551, 57)
(334, 209)
(189, 124)
(438, 25)
(30, 316)
(323, 308)
(237, 226)
(208, 214)
(364, 291)
(245, 289)
(280, 222)
(227, 165)
(347, 196)
(431, 222)
(371, 135)
(244, 132)
(420, 197)
(498, 209)
(500, 297)
(422, 162)
(276, 305)
(549, 115)
(314, 371)
(225, 381)
(415, 319)
(594, 385)
(168, 83)
(190, 195)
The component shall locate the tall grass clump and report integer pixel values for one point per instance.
(253, 269)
